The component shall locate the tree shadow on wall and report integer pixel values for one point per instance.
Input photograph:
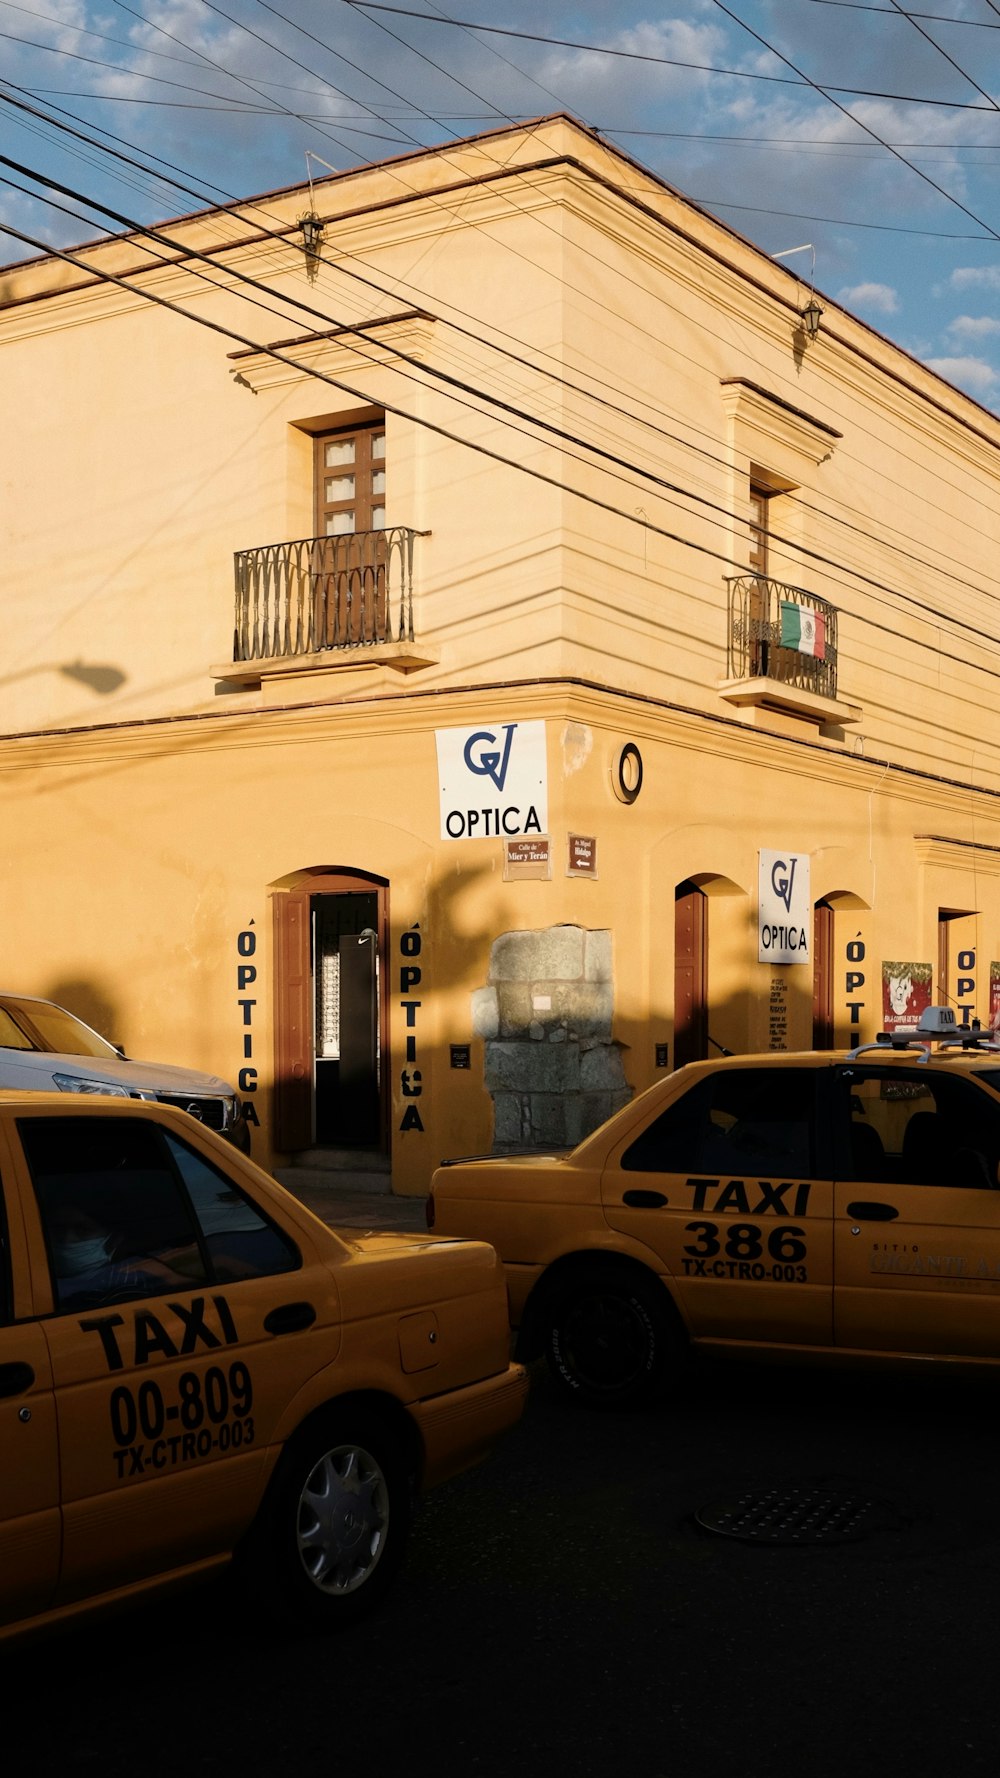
(90, 1003)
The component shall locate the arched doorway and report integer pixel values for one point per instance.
(844, 990)
(330, 1015)
(711, 995)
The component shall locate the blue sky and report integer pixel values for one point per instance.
(870, 133)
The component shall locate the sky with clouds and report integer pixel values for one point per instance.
(869, 133)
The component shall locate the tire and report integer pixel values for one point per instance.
(609, 1337)
(332, 1532)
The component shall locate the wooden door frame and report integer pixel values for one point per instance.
(823, 941)
(692, 1034)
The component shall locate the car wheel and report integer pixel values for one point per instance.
(332, 1532)
(609, 1338)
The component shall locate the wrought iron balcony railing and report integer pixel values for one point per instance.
(782, 633)
(322, 593)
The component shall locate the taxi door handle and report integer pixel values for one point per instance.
(863, 1211)
(289, 1318)
(15, 1378)
(640, 1200)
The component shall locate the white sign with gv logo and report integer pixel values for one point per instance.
(494, 781)
(785, 909)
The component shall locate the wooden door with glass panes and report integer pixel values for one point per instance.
(349, 587)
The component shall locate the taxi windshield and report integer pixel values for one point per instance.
(60, 1032)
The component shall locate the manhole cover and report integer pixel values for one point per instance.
(798, 1515)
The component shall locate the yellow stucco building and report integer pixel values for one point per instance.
(479, 633)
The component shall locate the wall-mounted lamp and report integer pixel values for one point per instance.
(312, 233)
(810, 318)
(810, 315)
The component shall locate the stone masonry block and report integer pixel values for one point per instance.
(532, 1067)
(507, 1119)
(601, 1069)
(598, 965)
(512, 957)
(514, 1002)
(485, 1013)
(548, 1120)
(556, 954)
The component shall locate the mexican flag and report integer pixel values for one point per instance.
(803, 629)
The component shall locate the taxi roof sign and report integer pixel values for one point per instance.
(937, 1024)
(937, 1021)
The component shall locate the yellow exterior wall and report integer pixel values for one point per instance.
(154, 802)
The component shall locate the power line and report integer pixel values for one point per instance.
(284, 357)
(479, 394)
(283, 53)
(633, 55)
(663, 485)
(229, 19)
(827, 92)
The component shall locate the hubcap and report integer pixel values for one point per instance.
(343, 1519)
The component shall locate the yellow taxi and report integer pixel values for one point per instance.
(817, 1206)
(195, 1371)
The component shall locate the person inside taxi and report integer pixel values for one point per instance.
(88, 1260)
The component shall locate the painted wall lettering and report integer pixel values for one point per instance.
(965, 985)
(246, 976)
(854, 981)
(411, 1080)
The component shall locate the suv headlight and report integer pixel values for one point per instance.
(79, 1083)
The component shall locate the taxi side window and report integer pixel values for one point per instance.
(116, 1223)
(240, 1242)
(758, 1121)
(919, 1127)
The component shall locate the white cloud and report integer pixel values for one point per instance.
(968, 277)
(971, 374)
(973, 327)
(879, 299)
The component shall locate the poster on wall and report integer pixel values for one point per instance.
(994, 996)
(906, 993)
(784, 907)
(493, 780)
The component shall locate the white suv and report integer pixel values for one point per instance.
(43, 1046)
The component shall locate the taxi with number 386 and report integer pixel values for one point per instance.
(195, 1372)
(811, 1206)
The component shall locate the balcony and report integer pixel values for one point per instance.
(782, 651)
(325, 601)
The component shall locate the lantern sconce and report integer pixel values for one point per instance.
(312, 233)
(810, 318)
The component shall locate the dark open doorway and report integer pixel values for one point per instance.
(330, 1024)
(345, 1024)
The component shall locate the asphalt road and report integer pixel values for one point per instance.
(562, 1612)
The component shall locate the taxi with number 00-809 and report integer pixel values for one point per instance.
(196, 1372)
(816, 1206)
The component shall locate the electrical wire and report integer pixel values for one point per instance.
(284, 357)
(277, 14)
(817, 89)
(632, 55)
(459, 389)
(480, 394)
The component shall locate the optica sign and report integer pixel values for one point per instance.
(785, 909)
(493, 780)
